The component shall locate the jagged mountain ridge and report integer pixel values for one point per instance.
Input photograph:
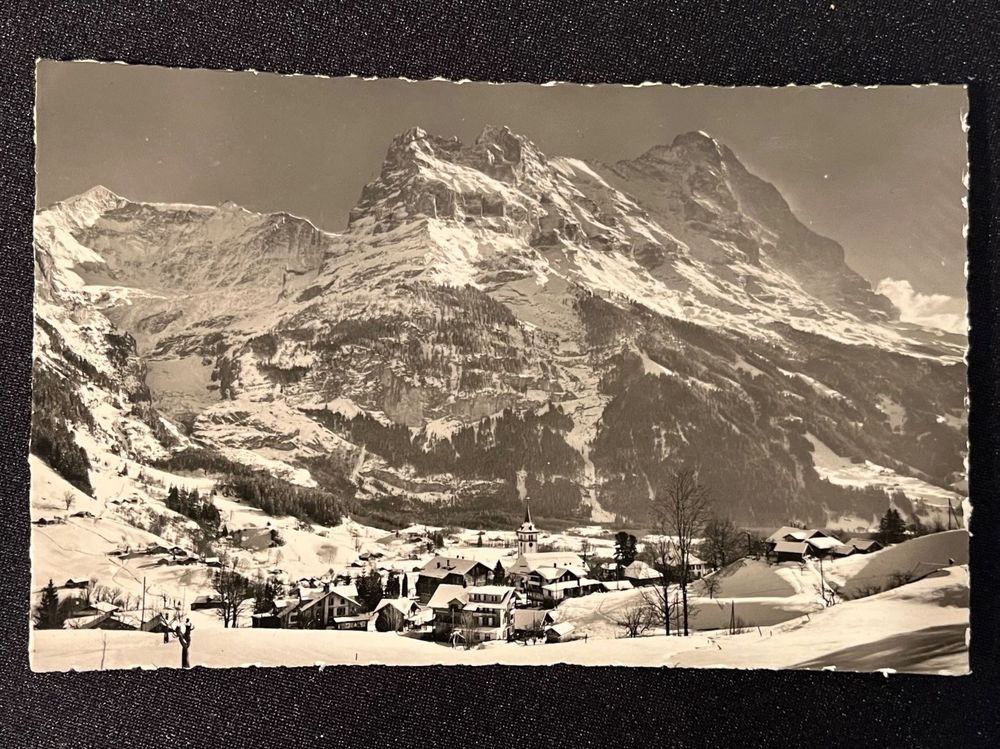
(463, 316)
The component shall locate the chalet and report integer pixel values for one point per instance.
(821, 546)
(790, 551)
(474, 613)
(791, 533)
(82, 514)
(865, 545)
(559, 632)
(451, 571)
(531, 622)
(639, 574)
(157, 549)
(143, 621)
(77, 582)
(610, 585)
(332, 607)
(213, 562)
(395, 614)
(113, 619)
(843, 550)
(569, 587)
(207, 602)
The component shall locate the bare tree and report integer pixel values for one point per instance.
(712, 584)
(233, 589)
(634, 619)
(722, 543)
(663, 557)
(464, 629)
(68, 500)
(681, 509)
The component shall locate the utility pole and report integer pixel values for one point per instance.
(142, 615)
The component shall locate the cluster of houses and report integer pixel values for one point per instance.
(166, 555)
(105, 615)
(465, 599)
(789, 544)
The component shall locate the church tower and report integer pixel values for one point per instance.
(527, 534)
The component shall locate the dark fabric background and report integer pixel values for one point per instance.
(858, 41)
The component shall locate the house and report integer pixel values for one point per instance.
(821, 546)
(473, 614)
(82, 514)
(443, 570)
(77, 582)
(213, 562)
(570, 584)
(790, 551)
(395, 614)
(791, 533)
(609, 585)
(157, 549)
(639, 573)
(865, 545)
(559, 632)
(531, 622)
(331, 607)
(143, 621)
(843, 550)
(114, 619)
(207, 602)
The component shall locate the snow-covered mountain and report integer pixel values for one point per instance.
(494, 324)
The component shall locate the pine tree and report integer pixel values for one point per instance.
(499, 576)
(370, 589)
(392, 586)
(891, 528)
(47, 613)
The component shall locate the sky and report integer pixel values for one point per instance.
(879, 170)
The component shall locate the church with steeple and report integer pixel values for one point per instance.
(545, 575)
(527, 534)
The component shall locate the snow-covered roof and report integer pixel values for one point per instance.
(105, 607)
(445, 594)
(790, 547)
(441, 566)
(639, 570)
(784, 531)
(538, 559)
(561, 629)
(569, 584)
(491, 590)
(863, 544)
(404, 606)
(823, 542)
(616, 585)
(529, 618)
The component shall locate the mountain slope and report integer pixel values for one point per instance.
(495, 324)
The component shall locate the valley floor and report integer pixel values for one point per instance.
(881, 632)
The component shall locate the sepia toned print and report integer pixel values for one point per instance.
(333, 371)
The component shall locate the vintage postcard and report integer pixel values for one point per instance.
(344, 371)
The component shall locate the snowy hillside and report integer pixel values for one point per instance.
(494, 324)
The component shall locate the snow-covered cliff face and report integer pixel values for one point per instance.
(543, 325)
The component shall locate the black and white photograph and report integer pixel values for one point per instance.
(347, 371)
